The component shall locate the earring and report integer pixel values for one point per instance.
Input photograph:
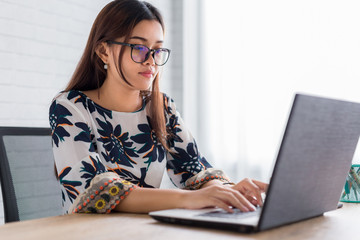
(105, 66)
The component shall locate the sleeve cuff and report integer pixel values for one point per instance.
(105, 192)
(205, 176)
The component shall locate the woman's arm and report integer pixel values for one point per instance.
(144, 200)
(86, 183)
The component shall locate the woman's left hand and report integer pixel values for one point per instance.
(252, 190)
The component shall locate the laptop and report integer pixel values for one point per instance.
(313, 160)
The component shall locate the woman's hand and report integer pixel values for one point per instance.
(245, 196)
(252, 190)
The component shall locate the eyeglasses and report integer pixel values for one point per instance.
(141, 53)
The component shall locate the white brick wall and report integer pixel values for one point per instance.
(41, 42)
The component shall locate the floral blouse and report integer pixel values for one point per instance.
(101, 155)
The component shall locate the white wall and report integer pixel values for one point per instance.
(40, 44)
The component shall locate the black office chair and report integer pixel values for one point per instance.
(29, 186)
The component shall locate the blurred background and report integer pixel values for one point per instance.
(233, 71)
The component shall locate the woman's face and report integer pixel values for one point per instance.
(139, 75)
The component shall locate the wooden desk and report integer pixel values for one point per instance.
(339, 224)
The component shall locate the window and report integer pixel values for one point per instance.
(253, 57)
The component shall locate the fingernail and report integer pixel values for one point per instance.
(229, 210)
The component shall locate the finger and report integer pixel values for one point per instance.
(254, 190)
(248, 201)
(252, 200)
(251, 191)
(223, 205)
(236, 199)
(229, 197)
(263, 186)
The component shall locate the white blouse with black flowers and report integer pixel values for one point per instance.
(101, 155)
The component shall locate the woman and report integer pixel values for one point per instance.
(114, 132)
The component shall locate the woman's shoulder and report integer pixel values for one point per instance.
(72, 104)
(70, 97)
(72, 100)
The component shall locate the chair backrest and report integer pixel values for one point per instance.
(29, 186)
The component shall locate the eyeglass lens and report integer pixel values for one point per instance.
(141, 53)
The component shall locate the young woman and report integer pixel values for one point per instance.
(114, 132)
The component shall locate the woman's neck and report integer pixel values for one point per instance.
(116, 98)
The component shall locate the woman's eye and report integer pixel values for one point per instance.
(139, 47)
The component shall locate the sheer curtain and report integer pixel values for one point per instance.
(252, 57)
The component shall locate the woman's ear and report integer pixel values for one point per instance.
(102, 50)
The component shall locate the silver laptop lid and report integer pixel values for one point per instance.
(315, 155)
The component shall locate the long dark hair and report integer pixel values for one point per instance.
(118, 19)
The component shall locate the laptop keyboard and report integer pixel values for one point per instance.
(237, 214)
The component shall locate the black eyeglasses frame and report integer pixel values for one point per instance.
(151, 51)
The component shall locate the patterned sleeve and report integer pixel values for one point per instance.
(186, 167)
(86, 184)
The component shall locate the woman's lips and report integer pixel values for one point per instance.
(147, 74)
